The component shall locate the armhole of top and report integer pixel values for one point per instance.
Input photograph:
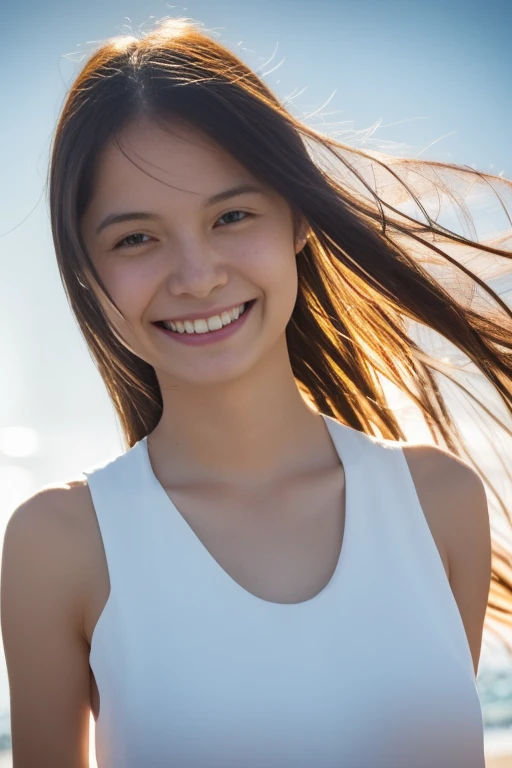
(93, 493)
(424, 516)
(444, 576)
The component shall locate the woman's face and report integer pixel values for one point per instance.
(182, 256)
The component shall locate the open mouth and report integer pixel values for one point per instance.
(214, 325)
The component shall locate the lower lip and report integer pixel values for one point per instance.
(200, 339)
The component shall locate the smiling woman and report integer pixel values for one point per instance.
(230, 590)
(195, 259)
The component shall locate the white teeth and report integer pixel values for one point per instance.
(214, 323)
(200, 326)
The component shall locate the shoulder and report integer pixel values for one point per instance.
(433, 462)
(60, 512)
(455, 494)
(53, 536)
(453, 497)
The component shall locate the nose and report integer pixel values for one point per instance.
(196, 270)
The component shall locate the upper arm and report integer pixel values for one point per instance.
(45, 648)
(454, 501)
(468, 538)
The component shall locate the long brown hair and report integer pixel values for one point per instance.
(371, 276)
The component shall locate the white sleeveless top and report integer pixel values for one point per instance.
(194, 671)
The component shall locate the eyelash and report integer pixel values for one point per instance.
(121, 244)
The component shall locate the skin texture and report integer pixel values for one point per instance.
(237, 447)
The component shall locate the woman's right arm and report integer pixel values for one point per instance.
(47, 654)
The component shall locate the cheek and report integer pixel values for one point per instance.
(275, 271)
(130, 286)
(127, 290)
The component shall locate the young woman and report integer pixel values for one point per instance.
(270, 575)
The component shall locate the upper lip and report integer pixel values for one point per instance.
(202, 315)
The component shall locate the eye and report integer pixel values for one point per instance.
(123, 243)
(244, 213)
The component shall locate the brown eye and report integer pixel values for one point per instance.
(123, 243)
(244, 213)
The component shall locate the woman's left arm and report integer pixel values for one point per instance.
(468, 541)
(454, 501)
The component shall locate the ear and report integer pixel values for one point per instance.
(301, 229)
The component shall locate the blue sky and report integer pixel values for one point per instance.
(436, 73)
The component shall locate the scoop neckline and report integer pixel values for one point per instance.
(337, 431)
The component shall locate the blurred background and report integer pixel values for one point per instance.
(430, 80)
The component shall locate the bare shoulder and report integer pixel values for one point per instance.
(453, 497)
(58, 523)
(59, 512)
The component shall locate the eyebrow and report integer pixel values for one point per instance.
(241, 189)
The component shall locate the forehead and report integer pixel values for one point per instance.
(177, 160)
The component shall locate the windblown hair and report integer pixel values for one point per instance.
(371, 275)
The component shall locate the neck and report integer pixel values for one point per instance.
(253, 430)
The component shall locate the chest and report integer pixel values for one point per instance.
(350, 679)
(281, 546)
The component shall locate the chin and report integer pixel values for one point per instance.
(217, 373)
